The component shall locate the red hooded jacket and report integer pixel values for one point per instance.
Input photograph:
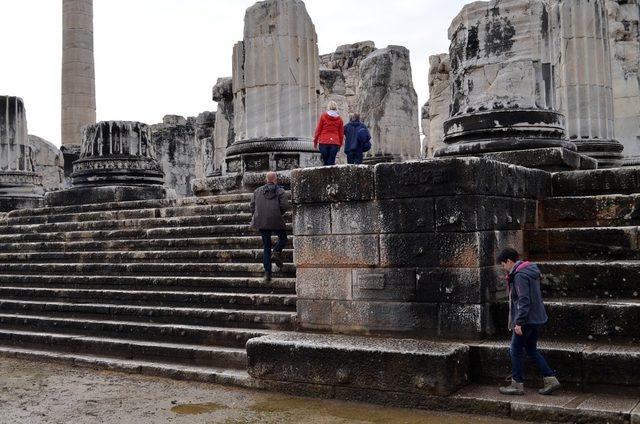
(330, 130)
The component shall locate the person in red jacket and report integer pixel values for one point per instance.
(329, 134)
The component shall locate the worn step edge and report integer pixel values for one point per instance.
(217, 375)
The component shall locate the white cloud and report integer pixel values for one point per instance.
(157, 57)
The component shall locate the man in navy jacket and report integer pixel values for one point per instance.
(354, 134)
(526, 315)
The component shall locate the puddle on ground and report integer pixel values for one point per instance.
(196, 408)
(361, 413)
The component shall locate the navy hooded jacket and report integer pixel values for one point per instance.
(351, 143)
(525, 296)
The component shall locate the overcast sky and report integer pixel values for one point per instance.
(158, 57)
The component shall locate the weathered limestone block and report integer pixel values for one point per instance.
(78, 76)
(224, 133)
(624, 35)
(502, 80)
(333, 89)
(439, 102)
(388, 104)
(347, 59)
(584, 80)
(403, 365)
(204, 144)
(175, 145)
(117, 162)
(48, 161)
(20, 185)
(408, 248)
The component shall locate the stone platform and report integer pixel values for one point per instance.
(410, 366)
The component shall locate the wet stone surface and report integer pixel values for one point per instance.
(46, 393)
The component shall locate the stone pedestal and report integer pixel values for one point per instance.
(116, 157)
(408, 248)
(20, 186)
(584, 81)
(275, 91)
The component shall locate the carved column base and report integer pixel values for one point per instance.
(20, 190)
(248, 162)
(608, 153)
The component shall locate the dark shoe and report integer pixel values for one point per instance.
(514, 388)
(267, 277)
(551, 384)
(276, 258)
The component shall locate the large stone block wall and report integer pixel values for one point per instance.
(406, 247)
(175, 146)
(436, 111)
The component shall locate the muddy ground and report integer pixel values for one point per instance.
(33, 392)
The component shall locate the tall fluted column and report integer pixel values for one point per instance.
(78, 75)
(584, 82)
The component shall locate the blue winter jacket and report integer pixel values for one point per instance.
(526, 306)
(351, 143)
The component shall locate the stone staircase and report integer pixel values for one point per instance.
(588, 248)
(164, 287)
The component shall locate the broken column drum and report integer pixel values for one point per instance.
(275, 89)
(117, 153)
(502, 80)
(584, 80)
(20, 186)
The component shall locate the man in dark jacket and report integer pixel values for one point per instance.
(267, 209)
(354, 132)
(526, 315)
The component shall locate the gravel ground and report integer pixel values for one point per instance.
(33, 392)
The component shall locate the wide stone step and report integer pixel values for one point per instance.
(135, 205)
(611, 243)
(126, 348)
(172, 333)
(591, 211)
(594, 182)
(130, 214)
(148, 268)
(238, 318)
(135, 233)
(151, 283)
(209, 374)
(591, 279)
(159, 298)
(123, 224)
(582, 320)
(192, 243)
(168, 256)
(587, 366)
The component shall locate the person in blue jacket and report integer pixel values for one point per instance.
(357, 140)
(526, 315)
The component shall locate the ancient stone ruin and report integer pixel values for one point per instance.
(20, 186)
(392, 295)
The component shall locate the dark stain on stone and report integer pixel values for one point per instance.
(545, 23)
(473, 43)
(499, 36)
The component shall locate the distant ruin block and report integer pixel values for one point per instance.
(117, 163)
(624, 37)
(388, 105)
(436, 111)
(224, 133)
(20, 185)
(48, 161)
(386, 249)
